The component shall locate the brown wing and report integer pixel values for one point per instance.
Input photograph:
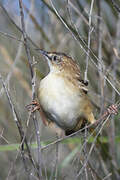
(82, 84)
(74, 73)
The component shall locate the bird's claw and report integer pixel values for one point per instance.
(113, 109)
(34, 106)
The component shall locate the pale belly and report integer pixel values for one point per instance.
(61, 104)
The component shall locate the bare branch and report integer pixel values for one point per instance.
(89, 39)
(19, 126)
(33, 88)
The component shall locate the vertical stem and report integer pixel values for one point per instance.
(33, 89)
(85, 153)
(111, 133)
(89, 39)
(101, 84)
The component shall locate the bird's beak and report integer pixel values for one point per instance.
(44, 53)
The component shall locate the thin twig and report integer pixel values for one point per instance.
(2, 137)
(33, 88)
(78, 12)
(106, 177)
(101, 82)
(103, 165)
(56, 161)
(18, 123)
(97, 122)
(12, 21)
(25, 38)
(14, 70)
(93, 172)
(89, 39)
(70, 30)
(93, 144)
(11, 36)
(85, 153)
(38, 27)
(115, 5)
(54, 171)
(111, 132)
(83, 45)
(12, 166)
(37, 126)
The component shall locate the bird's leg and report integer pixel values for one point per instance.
(113, 109)
(34, 106)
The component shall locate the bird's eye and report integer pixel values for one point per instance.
(55, 58)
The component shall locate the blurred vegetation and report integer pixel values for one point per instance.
(76, 23)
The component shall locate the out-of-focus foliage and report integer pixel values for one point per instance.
(46, 31)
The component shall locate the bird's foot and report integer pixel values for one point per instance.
(34, 106)
(113, 109)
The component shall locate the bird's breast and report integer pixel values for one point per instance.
(60, 100)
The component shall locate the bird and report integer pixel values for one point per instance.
(63, 94)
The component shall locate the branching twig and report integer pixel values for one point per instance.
(33, 88)
(97, 122)
(70, 30)
(83, 46)
(93, 144)
(19, 126)
(12, 166)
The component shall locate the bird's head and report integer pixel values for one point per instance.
(60, 62)
(64, 66)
